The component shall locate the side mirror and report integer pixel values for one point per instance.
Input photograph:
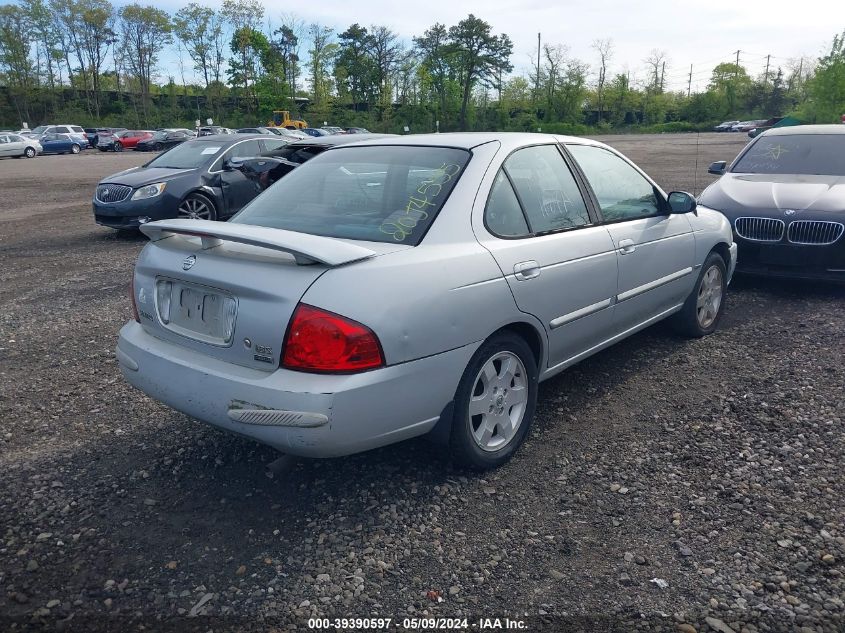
(718, 168)
(681, 202)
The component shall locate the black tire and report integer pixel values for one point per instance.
(29, 152)
(118, 147)
(158, 147)
(75, 149)
(689, 321)
(465, 447)
(195, 200)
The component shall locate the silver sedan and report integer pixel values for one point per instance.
(18, 146)
(416, 285)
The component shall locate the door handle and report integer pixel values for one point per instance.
(523, 271)
(627, 246)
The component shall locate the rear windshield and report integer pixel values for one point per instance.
(805, 154)
(187, 156)
(374, 193)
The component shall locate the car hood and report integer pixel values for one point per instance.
(767, 192)
(140, 176)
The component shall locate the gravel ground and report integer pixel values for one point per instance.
(667, 484)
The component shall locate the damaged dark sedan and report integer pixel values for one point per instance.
(195, 179)
(785, 198)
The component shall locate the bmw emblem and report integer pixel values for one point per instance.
(189, 262)
(790, 212)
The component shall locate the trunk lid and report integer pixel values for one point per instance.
(229, 290)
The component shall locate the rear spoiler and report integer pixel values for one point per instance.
(305, 248)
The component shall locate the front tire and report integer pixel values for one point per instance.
(197, 207)
(118, 147)
(705, 305)
(30, 152)
(75, 149)
(158, 147)
(494, 403)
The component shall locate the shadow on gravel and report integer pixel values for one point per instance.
(788, 288)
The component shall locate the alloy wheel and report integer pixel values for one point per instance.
(194, 209)
(709, 297)
(498, 401)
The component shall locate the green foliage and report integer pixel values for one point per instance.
(86, 61)
(827, 88)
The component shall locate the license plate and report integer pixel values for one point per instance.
(201, 313)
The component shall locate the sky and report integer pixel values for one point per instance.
(694, 32)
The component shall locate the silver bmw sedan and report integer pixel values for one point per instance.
(416, 285)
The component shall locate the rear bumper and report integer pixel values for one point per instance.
(340, 414)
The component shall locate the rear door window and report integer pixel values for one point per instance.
(546, 189)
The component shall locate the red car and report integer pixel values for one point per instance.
(127, 139)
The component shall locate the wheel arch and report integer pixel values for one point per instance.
(206, 192)
(442, 430)
(724, 251)
(530, 335)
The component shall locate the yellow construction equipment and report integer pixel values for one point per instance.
(281, 118)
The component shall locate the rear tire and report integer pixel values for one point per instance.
(705, 305)
(158, 147)
(494, 403)
(75, 149)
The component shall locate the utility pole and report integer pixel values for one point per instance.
(689, 84)
(766, 76)
(662, 76)
(736, 69)
(537, 78)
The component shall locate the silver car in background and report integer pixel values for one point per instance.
(416, 285)
(17, 146)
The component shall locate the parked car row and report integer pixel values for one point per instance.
(739, 126)
(72, 139)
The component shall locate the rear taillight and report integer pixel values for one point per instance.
(322, 341)
(135, 314)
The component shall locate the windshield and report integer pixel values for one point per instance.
(804, 154)
(187, 156)
(376, 193)
(40, 129)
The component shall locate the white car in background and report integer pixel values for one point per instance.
(16, 146)
(41, 130)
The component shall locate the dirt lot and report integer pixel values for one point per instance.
(713, 465)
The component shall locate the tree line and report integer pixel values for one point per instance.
(88, 61)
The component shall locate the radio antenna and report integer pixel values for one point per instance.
(695, 175)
